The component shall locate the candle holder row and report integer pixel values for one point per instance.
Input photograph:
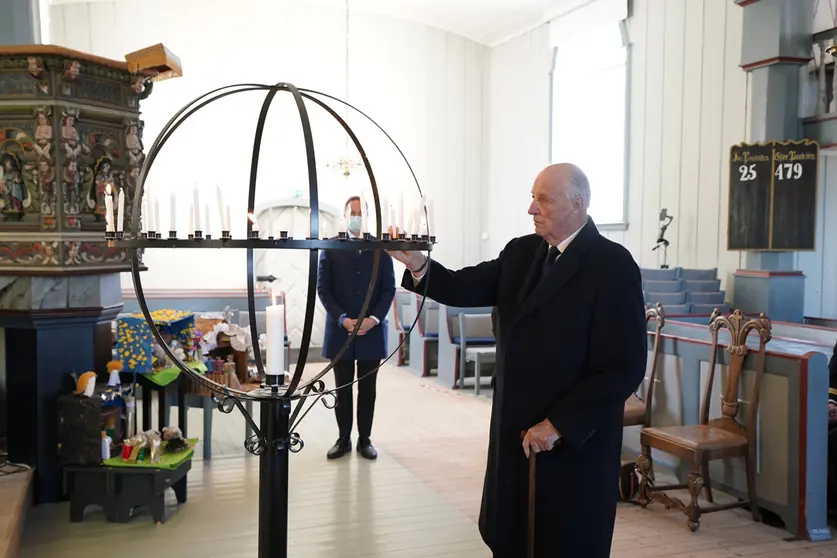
(283, 235)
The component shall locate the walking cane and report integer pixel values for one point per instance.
(530, 527)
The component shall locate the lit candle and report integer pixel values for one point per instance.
(121, 216)
(208, 222)
(275, 332)
(196, 210)
(255, 222)
(109, 208)
(157, 214)
(173, 211)
(431, 219)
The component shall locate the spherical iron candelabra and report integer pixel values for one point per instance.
(282, 406)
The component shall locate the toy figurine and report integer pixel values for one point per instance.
(175, 442)
(86, 384)
(114, 368)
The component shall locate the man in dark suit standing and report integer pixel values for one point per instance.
(571, 348)
(342, 282)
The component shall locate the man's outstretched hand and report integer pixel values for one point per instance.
(541, 437)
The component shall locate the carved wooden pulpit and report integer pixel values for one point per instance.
(70, 130)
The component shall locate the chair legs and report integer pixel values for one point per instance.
(645, 468)
(693, 509)
(704, 472)
(750, 465)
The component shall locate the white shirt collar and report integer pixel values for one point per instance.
(562, 246)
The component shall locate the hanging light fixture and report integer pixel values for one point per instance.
(345, 164)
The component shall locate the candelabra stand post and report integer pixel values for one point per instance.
(273, 478)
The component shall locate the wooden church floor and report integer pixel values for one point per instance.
(419, 499)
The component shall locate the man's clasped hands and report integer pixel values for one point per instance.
(365, 325)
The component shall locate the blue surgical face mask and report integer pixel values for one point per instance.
(354, 224)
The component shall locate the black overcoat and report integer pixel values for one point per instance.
(343, 279)
(571, 347)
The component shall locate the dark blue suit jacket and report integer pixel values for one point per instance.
(342, 282)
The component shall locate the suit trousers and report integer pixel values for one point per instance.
(344, 373)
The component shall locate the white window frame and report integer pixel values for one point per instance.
(622, 222)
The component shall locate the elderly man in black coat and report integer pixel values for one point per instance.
(571, 348)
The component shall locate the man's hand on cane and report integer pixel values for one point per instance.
(541, 437)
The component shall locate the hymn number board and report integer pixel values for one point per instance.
(773, 196)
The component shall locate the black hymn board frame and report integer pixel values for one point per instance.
(773, 196)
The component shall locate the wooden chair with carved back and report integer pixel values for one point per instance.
(716, 439)
(638, 409)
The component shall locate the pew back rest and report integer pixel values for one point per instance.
(428, 321)
(399, 302)
(479, 329)
(673, 286)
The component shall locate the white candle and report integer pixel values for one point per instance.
(120, 223)
(364, 218)
(409, 229)
(157, 215)
(253, 220)
(151, 214)
(400, 222)
(221, 208)
(191, 219)
(384, 215)
(196, 210)
(416, 222)
(226, 218)
(208, 222)
(392, 222)
(173, 211)
(145, 216)
(431, 219)
(270, 223)
(109, 208)
(275, 325)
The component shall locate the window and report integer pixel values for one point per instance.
(589, 98)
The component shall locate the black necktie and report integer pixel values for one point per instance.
(551, 258)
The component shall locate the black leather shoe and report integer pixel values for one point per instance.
(366, 449)
(340, 448)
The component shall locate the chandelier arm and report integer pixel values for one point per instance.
(251, 267)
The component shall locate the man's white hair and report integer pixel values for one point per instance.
(579, 186)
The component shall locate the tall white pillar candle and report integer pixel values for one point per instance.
(173, 211)
(275, 324)
(196, 210)
(207, 224)
(120, 219)
(109, 208)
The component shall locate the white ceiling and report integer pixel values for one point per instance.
(489, 22)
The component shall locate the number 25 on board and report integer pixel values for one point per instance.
(788, 171)
(748, 172)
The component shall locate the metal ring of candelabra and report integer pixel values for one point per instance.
(276, 437)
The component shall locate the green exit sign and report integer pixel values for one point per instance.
(298, 193)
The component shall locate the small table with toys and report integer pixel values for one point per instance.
(150, 464)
